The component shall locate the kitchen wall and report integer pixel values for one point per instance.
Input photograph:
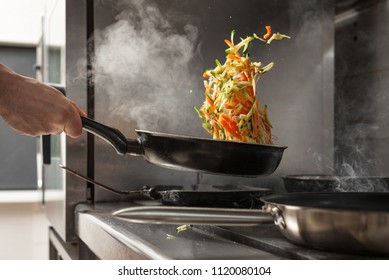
(150, 56)
(362, 83)
(22, 19)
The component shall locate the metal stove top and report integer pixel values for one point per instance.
(111, 238)
(268, 238)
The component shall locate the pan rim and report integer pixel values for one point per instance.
(271, 200)
(325, 177)
(196, 138)
(216, 191)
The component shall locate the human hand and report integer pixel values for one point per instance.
(34, 108)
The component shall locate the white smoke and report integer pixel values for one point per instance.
(144, 65)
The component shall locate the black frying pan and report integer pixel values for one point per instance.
(332, 183)
(192, 153)
(203, 195)
(200, 195)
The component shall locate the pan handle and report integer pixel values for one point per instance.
(108, 134)
(194, 215)
(111, 135)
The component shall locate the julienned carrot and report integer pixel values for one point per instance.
(233, 57)
(268, 33)
(228, 42)
(209, 101)
(248, 104)
(244, 111)
(227, 126)
(251, 90)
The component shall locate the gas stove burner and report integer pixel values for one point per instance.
(229, 196)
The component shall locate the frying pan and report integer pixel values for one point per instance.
(332, 183)
(192, 153)
(343, 222)
(201, 195)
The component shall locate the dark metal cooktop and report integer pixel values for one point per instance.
(110, 237)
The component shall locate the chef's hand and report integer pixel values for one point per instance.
(33, 108)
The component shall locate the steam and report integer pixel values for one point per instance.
(361, 119)
(144, 67)
(352, 175)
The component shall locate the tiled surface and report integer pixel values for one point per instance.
(23, 232)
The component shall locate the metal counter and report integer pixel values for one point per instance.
(108, 237)
(111, 238)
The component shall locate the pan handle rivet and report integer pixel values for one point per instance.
(278, 218)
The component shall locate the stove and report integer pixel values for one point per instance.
(102, 235)
(107, 237)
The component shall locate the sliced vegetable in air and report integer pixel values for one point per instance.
(231, 110)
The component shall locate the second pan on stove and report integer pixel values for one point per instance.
(230, 196)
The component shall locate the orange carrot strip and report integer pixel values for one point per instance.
(244, 111)
(233, 125)
(209, 100)
(213, 106)
(267, 35)
(251, 90)
(248, 104)
(234, 100)
(229, 121)
(247, 76)
(227, 127)
(233, 57)
(228, 42)
(224, 117)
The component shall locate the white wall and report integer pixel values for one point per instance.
(20, 21)
(23, 232)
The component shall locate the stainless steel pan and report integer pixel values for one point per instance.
(191, 153)
(349, 222)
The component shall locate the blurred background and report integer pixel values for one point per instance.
(23, 230)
